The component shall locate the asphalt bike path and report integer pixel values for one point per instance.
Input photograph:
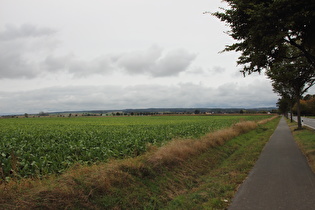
(280, 179)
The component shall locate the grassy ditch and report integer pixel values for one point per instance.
(190, 174)
(305, 138)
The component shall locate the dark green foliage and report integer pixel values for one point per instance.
(264, 28)
(277, 36)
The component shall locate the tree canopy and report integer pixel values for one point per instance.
(276, 36)
(264, 28)
(293, 77)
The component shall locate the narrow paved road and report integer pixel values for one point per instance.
(280, 179)
(309, 122)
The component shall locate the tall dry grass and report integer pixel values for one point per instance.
(267, 120)
(179, 150)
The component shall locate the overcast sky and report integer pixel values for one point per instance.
(58, 55)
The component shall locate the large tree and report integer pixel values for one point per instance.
(264, 28)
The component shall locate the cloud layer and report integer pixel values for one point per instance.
(74, 55)
(29, 51)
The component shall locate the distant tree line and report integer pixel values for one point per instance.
(307, 106)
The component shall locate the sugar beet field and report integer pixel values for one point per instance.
(34, 147)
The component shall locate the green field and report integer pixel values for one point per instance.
(40, 146)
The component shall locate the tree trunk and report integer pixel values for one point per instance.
(298, 104)
(291, 113)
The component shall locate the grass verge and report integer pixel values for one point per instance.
(305, 138)
(205, 174)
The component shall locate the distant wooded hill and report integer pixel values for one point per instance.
(178, 111)
(151, 111)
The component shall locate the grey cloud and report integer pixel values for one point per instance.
(57, 99)
(79, 68)
(140, 61)
(54, 63)
(24, 31)
(218, 70)
(214, 71)
(227, 89)
(15, 66)
(196, 71)
(76, 67)
(256, 94)
(152, 62)
(21, 58)
(35, 57)
(173, 63)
